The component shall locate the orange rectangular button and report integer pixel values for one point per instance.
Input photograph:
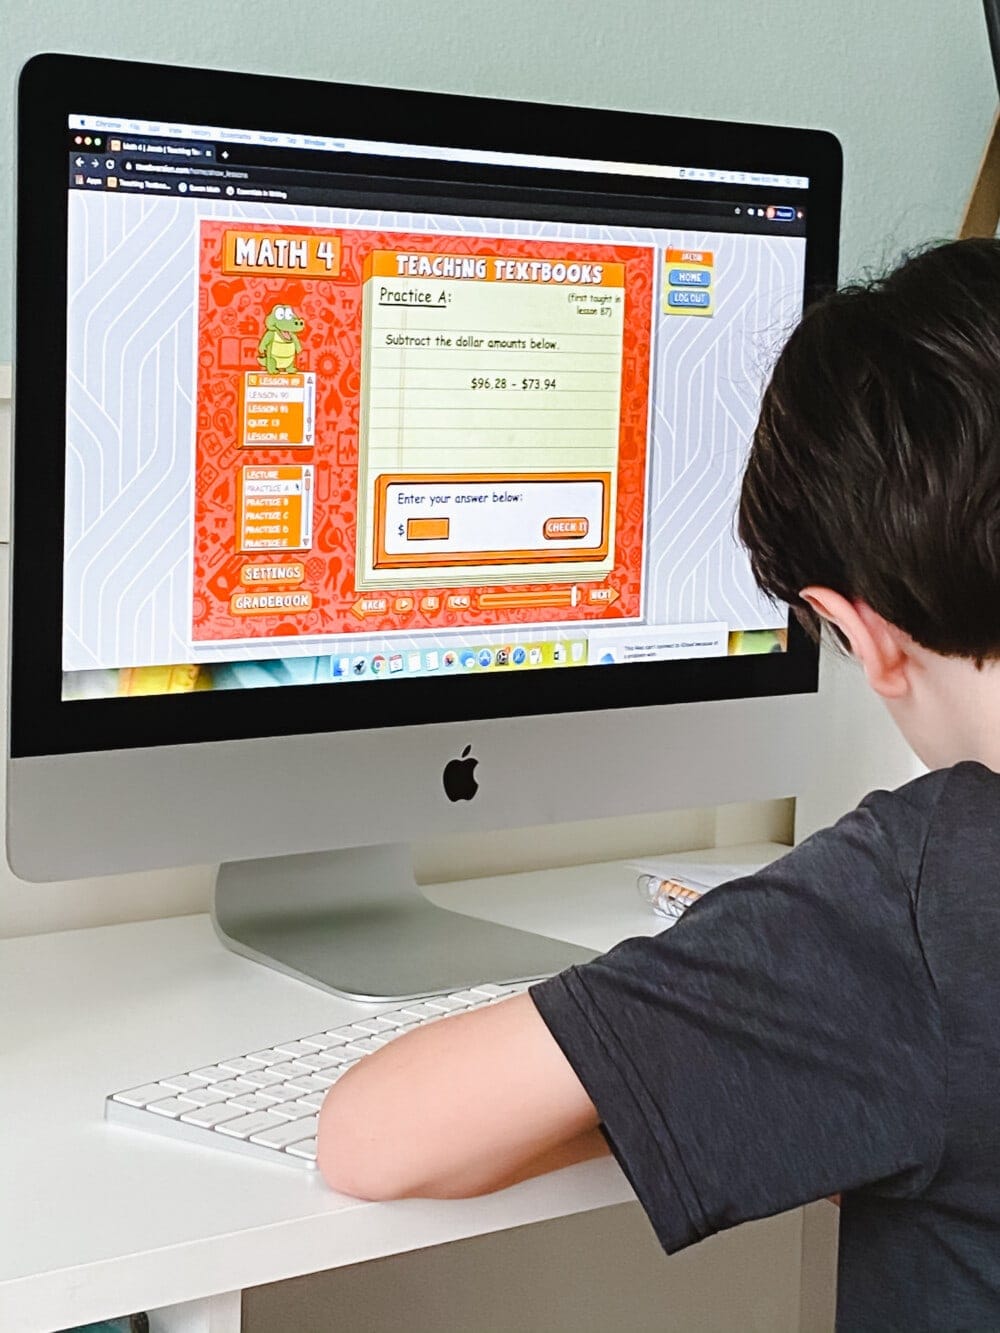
(690, 257)
(270, 602)
(370, 606)
(565, 527)
(403, 604)
(291, 572)
(459, 601)
(606, 595)
(427, 529)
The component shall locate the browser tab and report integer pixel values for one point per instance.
(384, 148)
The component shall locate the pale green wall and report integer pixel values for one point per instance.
(906, 84)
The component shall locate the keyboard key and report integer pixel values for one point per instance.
(421, 1011)
(353, 1053)
(265, 1059)
(312, 1101)
(209, 1096)
(367, 1044)
(291, 1048)
(370, 1025)
(212, 1073)
(149, 1092)
(253, 1101)
(289, 1067)
(280, 1093)
(293, 1131)
(234, 1086)
(308, 1105)
(306, 1148)
(319, 1061)
(329, 1076)
(250, 1124)
(308, 1083)
(349, 1032)
(512, 988)
(338, 1058)
(262, 1078)
(471, 997)
(446, 1004)
(323, 1041)
(184, 1082)
(240, 1065)
(210, 1116)
(172, 1107)
(293, 1109)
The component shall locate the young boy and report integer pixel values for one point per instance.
(829, 1024)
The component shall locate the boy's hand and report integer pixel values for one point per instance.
(463, 1106)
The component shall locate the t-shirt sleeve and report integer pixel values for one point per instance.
(780, 1043)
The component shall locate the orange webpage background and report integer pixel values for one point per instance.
(232, 309)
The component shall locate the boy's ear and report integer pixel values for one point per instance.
(881, 648)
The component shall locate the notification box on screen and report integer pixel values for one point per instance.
(474, 519)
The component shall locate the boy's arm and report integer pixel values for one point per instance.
(460, 1107)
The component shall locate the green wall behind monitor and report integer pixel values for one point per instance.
(906, 84)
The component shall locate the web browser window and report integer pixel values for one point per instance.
(339, 410)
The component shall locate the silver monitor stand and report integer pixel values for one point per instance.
(354, 922)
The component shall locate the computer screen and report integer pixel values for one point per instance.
(360, 430)
(317, 435)
(341, 411)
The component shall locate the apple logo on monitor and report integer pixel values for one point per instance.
(459, 777)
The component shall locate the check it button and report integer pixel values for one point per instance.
(555, 528)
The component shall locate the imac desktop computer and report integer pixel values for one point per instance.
(376, 463)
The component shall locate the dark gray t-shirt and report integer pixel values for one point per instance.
(829, 1024)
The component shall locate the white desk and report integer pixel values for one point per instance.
(97, 1220)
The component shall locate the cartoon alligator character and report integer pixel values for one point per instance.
(280, 345)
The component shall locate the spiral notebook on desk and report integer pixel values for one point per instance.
(671, 886)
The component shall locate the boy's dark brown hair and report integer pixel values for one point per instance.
(875, 465)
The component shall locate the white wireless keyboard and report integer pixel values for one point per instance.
(265, 1104)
